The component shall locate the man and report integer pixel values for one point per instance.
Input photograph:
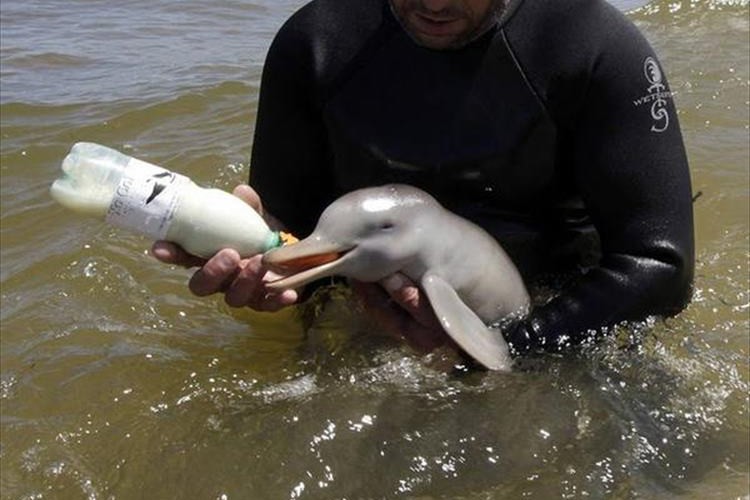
(549, 123)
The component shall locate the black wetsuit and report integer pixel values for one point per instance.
(554, 129)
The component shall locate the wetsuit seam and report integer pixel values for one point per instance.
(510, 11)
(517, 63)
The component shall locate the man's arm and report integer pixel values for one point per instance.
(290, 159)
(628, 163)
(630, 167)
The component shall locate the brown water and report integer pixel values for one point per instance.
(115, 382)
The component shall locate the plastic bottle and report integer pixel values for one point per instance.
(151, 200)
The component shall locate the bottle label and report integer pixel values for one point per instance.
(146, 199)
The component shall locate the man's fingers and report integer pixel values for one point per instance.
(273, 302)
(249, 196)
(217, 273)
(407, 294)
(397, 321)
(169, 253)
(247, 286)
(248, 289)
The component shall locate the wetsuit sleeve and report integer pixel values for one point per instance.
(289, 167)
(629, 165)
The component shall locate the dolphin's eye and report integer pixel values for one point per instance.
(386, 226)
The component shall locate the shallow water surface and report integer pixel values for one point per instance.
(115, 382)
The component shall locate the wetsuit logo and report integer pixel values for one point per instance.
(657, 95)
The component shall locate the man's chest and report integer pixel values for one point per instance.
(446, 122)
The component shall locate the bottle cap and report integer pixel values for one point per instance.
(287, 238)
(279, 238)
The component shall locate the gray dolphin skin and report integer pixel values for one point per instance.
(372, 233)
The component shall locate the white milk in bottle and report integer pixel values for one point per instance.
(151, 200)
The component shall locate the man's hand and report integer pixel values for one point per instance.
(241, 280)
(397, 305)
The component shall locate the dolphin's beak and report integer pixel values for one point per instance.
(303, 262)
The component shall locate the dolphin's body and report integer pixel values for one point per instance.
(372, 233)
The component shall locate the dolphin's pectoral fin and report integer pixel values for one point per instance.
(465, 327)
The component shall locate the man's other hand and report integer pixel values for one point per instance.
(399, 307)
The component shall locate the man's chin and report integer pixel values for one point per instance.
(436, 42)
(443, 41)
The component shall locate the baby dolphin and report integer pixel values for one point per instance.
(371, 233)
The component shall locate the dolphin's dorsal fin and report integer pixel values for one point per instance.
(486, 346)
